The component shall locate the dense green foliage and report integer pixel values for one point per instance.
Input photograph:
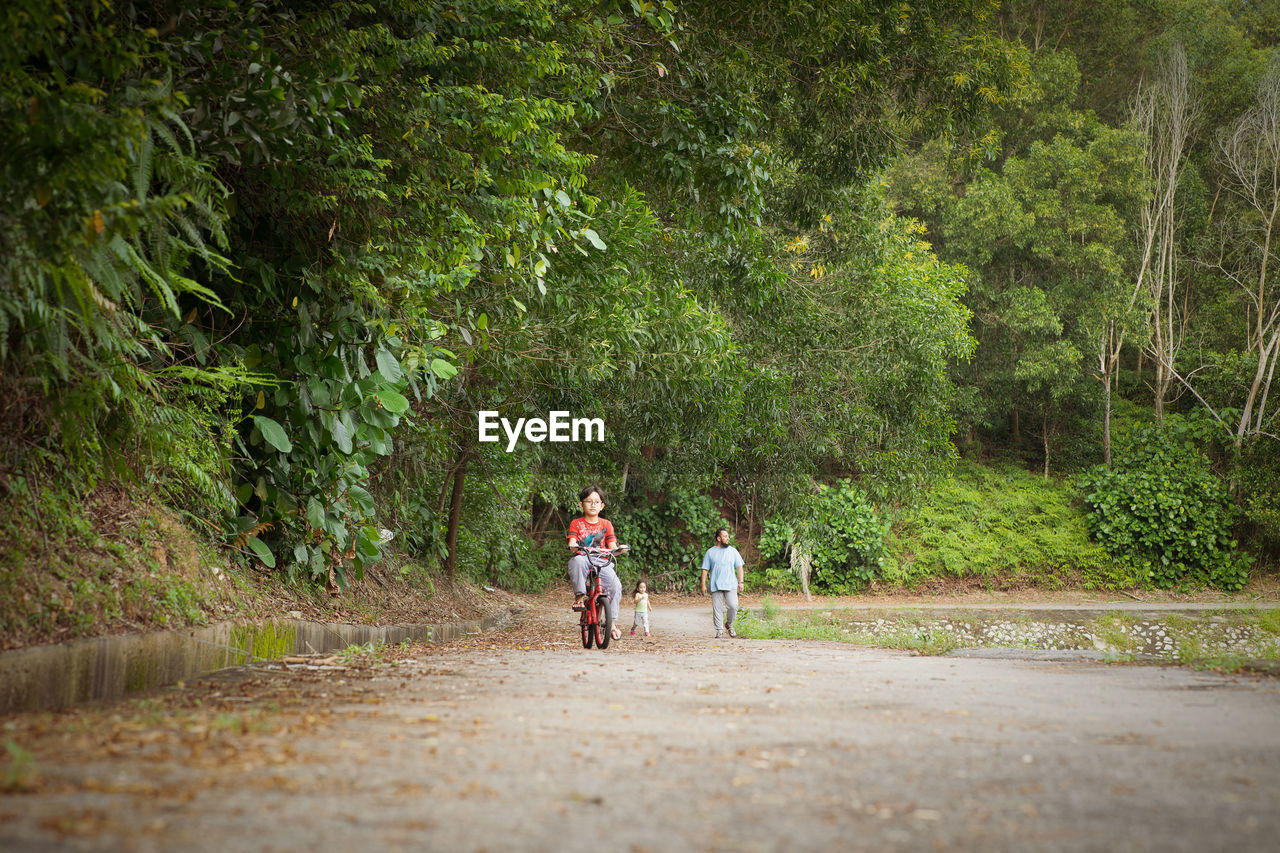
(838, 531)
(62, 575)
(668, 539)
(1160, 508)
(1003, 527)
(1048, 228)
(273, 258)
(110, 219)
(268, 261)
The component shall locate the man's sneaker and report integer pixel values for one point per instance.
(732, 633)
(719, 635)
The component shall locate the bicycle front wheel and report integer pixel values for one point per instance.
(588, 630)
(604, 622)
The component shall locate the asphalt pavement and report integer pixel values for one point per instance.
(522, 740)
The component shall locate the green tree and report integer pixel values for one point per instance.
(332, 232)
(111, 227)
(1046, 230)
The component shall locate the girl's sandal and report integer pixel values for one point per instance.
(616, 633)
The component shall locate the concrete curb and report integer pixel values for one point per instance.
(64, 674)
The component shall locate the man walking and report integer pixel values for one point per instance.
(724, 564)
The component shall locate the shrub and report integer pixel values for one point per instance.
(999, 522)
(840, 529)
(668, 539)
(533, 568)
(1259, 477)
(772, 578)
(1161, 509)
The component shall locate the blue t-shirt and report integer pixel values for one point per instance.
(721, 564)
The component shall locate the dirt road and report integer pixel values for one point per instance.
(521, 740)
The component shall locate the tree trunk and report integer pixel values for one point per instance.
(1261, 375)
(455, 515)
(1017, 429)
(1045, 423)
(442, 501)
(540, 524)
(1266, 387)
(1106, 420)
(1108, 366)
(1165, 111)
(1161, 385)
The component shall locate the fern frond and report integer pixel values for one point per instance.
(166, 136)
(193, 235)
(142, 168)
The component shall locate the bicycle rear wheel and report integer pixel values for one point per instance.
(604, 622)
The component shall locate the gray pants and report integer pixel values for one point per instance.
(724, 606)
(609, 582)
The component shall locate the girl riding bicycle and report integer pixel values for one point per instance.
(591, 537)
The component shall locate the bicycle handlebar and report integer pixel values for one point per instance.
(617, 549)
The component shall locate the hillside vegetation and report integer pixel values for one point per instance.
(264, 263)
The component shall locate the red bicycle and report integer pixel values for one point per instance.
(597, 618)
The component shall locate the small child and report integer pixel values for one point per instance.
(642, 609)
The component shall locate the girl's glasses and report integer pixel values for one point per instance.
(593, 503)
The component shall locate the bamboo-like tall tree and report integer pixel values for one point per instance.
(1165, 112)
(1250, 152)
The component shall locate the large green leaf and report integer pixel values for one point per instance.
(362, 499)
(388, 366)
(341, 435)
(393, 401)
(273, 433)
(443, 369)
(315, 513)
(262, 552)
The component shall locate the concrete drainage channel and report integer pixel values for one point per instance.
(56, 676)
(1082, 634)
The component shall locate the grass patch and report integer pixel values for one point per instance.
(83, 566)
(20, 769)
(1112, 629)
(370, 653)
(1269, 621)
(74, 565)
(1217, 663)
(906, 634)
(768, 608)
(786, 626)
(1004, 525)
